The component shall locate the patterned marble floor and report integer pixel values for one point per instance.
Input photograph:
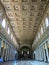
(24, 63)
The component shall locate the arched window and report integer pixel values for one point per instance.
(36, 39)
(4, 23)
(8, 30)
(41, 30)
(47, 22)
(39, 35)
(11, 36)
(13, 39)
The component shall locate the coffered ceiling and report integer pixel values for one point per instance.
(25, 17)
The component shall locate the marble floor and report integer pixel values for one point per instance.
(24, 63)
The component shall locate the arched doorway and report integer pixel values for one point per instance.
(25, 52)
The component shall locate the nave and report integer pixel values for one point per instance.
(24, 32)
